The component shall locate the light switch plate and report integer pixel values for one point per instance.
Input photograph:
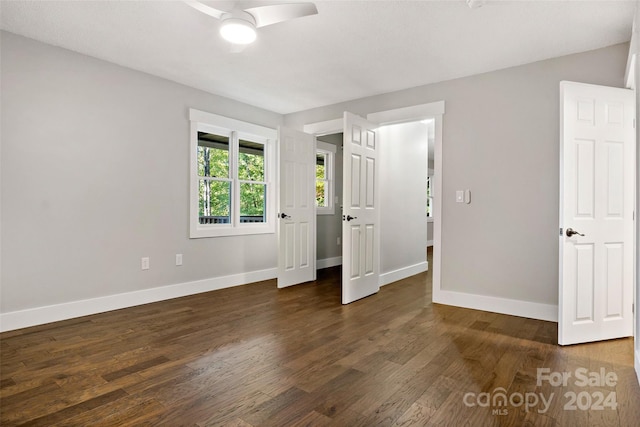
(459, 196)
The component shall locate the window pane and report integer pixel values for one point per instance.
(321, 168)
(251, 161)
(321, 193)
(213, 155)
(215, 202)
(252, 202)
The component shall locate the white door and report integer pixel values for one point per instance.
(597, 174)
(296, 209)
(360, 219)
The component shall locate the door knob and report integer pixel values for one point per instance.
(349, 217)
(571, 232)
(284, 215)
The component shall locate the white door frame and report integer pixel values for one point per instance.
(326, 127)
(637, 234)
(414, 113)
(632, 77)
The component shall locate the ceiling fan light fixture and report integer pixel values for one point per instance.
(238, 30)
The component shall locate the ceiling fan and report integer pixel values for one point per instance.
(239, 25)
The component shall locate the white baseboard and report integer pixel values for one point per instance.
(53, 313)
(429, 243)
(328, 262)
(532, 310)
(403, 273)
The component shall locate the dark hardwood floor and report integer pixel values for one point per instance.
(255, 355)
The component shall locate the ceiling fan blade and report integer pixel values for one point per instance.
(267, 15)
(205, 9)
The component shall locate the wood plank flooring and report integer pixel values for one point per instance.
(258, 356)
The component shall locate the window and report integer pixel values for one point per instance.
(231, 176)
(253, 185)
(325, 161)
(214, 184)
(322, 182)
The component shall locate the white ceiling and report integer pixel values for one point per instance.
(351, 49)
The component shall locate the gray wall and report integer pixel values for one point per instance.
(329, 227)
(500, 140)
(92, 177)
(95, 168)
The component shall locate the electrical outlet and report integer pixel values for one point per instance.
(178, 259)
(144, 263)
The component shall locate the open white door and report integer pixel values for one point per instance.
(296, 209)
(597, 174)
(361, 213)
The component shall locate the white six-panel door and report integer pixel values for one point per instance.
(360, 220)
(296, 209)
(597, 174)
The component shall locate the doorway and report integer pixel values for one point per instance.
(329, 221)
(433, 114)
(405, 203)
(404, 199)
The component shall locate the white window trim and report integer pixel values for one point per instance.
(330, 151)
(213, 123)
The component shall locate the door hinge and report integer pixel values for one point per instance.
(561, 231)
